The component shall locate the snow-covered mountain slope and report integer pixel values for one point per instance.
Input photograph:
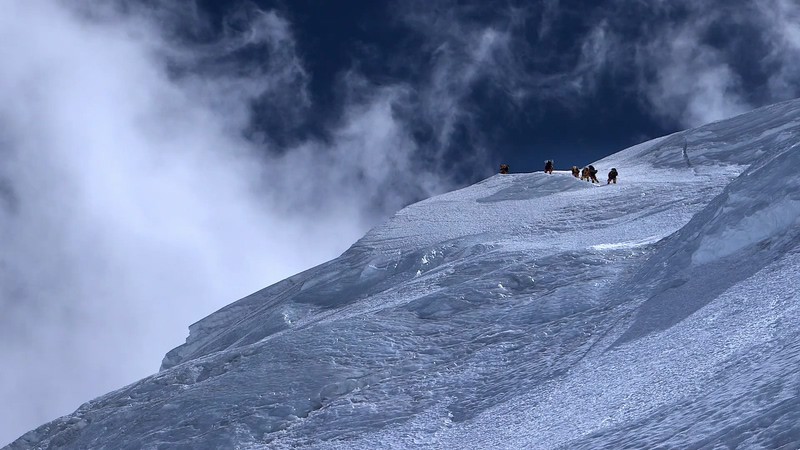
(526, 311)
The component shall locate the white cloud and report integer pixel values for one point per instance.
(780, 20)
(693, 82)
(686, 60)
(463, 53)
(132, 205)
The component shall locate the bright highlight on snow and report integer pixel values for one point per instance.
(527, 311)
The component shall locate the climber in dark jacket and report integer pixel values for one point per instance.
(593, 174)
(612, 176)
(548, 166)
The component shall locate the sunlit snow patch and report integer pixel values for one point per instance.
(624, 245)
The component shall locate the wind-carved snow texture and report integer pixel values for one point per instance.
(526, 311)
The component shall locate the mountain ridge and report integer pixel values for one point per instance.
(527, 310)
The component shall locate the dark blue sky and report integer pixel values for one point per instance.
(380, 41)
(569, 80)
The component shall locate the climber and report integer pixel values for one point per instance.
(593, 174)
(576, 172)
(503, 168)
(548, 166)
(612, 176)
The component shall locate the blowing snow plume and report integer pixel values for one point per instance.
(134, 197)
(525, 311)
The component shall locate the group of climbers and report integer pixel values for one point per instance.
(588, 173)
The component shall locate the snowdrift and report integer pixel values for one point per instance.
(526, 311)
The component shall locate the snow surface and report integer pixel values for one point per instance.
(526, 311)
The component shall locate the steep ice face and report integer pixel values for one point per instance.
(528, 310)
(758, 208)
